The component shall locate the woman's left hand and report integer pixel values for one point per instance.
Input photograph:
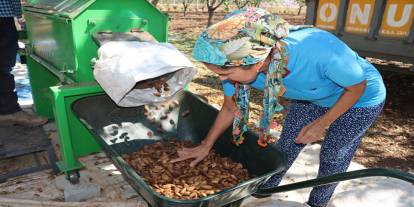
(311, 132)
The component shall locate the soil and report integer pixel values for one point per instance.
(388, 143)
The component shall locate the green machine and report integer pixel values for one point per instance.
(61, 47)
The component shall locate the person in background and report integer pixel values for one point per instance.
(333, 92)
(10, 111)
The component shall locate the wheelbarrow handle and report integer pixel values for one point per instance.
(337, 178)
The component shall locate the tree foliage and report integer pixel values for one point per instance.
(255, 3)
(241, 3)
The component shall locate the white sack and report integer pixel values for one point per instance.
(121, 64)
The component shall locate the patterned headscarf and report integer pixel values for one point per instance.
(246, 37)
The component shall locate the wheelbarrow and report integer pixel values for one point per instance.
(105, 120)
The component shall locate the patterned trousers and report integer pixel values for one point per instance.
(338, 147)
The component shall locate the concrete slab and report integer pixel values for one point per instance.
(128, 192)
(375, 192)
(366, 192)
(82, 191)
(49, 127)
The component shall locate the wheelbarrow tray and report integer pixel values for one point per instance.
(99, 112)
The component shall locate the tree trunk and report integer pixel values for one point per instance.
(300, 9)
(241, 4)
(210, 17)
(211, 7)
(185, 7)
(154, 2)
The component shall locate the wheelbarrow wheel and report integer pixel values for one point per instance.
(235, 203)
(73, 177)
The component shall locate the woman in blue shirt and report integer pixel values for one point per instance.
(331, 89)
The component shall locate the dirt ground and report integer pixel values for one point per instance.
(388, 143)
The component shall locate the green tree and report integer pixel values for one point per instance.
(255, 3)
(241, 3)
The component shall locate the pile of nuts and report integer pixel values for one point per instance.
(159, 83)
(180, 181)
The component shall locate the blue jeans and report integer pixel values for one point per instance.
(8, 51)
(342, 139)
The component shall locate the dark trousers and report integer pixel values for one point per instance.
(341, 141)
(8, 51)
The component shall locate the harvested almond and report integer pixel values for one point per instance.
(177, 180)
(158, 94)
(163, 117)
(185, 113)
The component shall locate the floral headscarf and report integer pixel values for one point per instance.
(246, 37)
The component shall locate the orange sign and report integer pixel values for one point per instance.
(327, 14)
(398, 18)
(359, 16)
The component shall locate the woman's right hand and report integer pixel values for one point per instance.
(223, 121)
(197, 153)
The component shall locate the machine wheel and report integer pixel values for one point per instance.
(73, 176)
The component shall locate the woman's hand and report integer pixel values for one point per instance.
(315, 130)
(311, 132)
(223, 121)
(198, 153)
